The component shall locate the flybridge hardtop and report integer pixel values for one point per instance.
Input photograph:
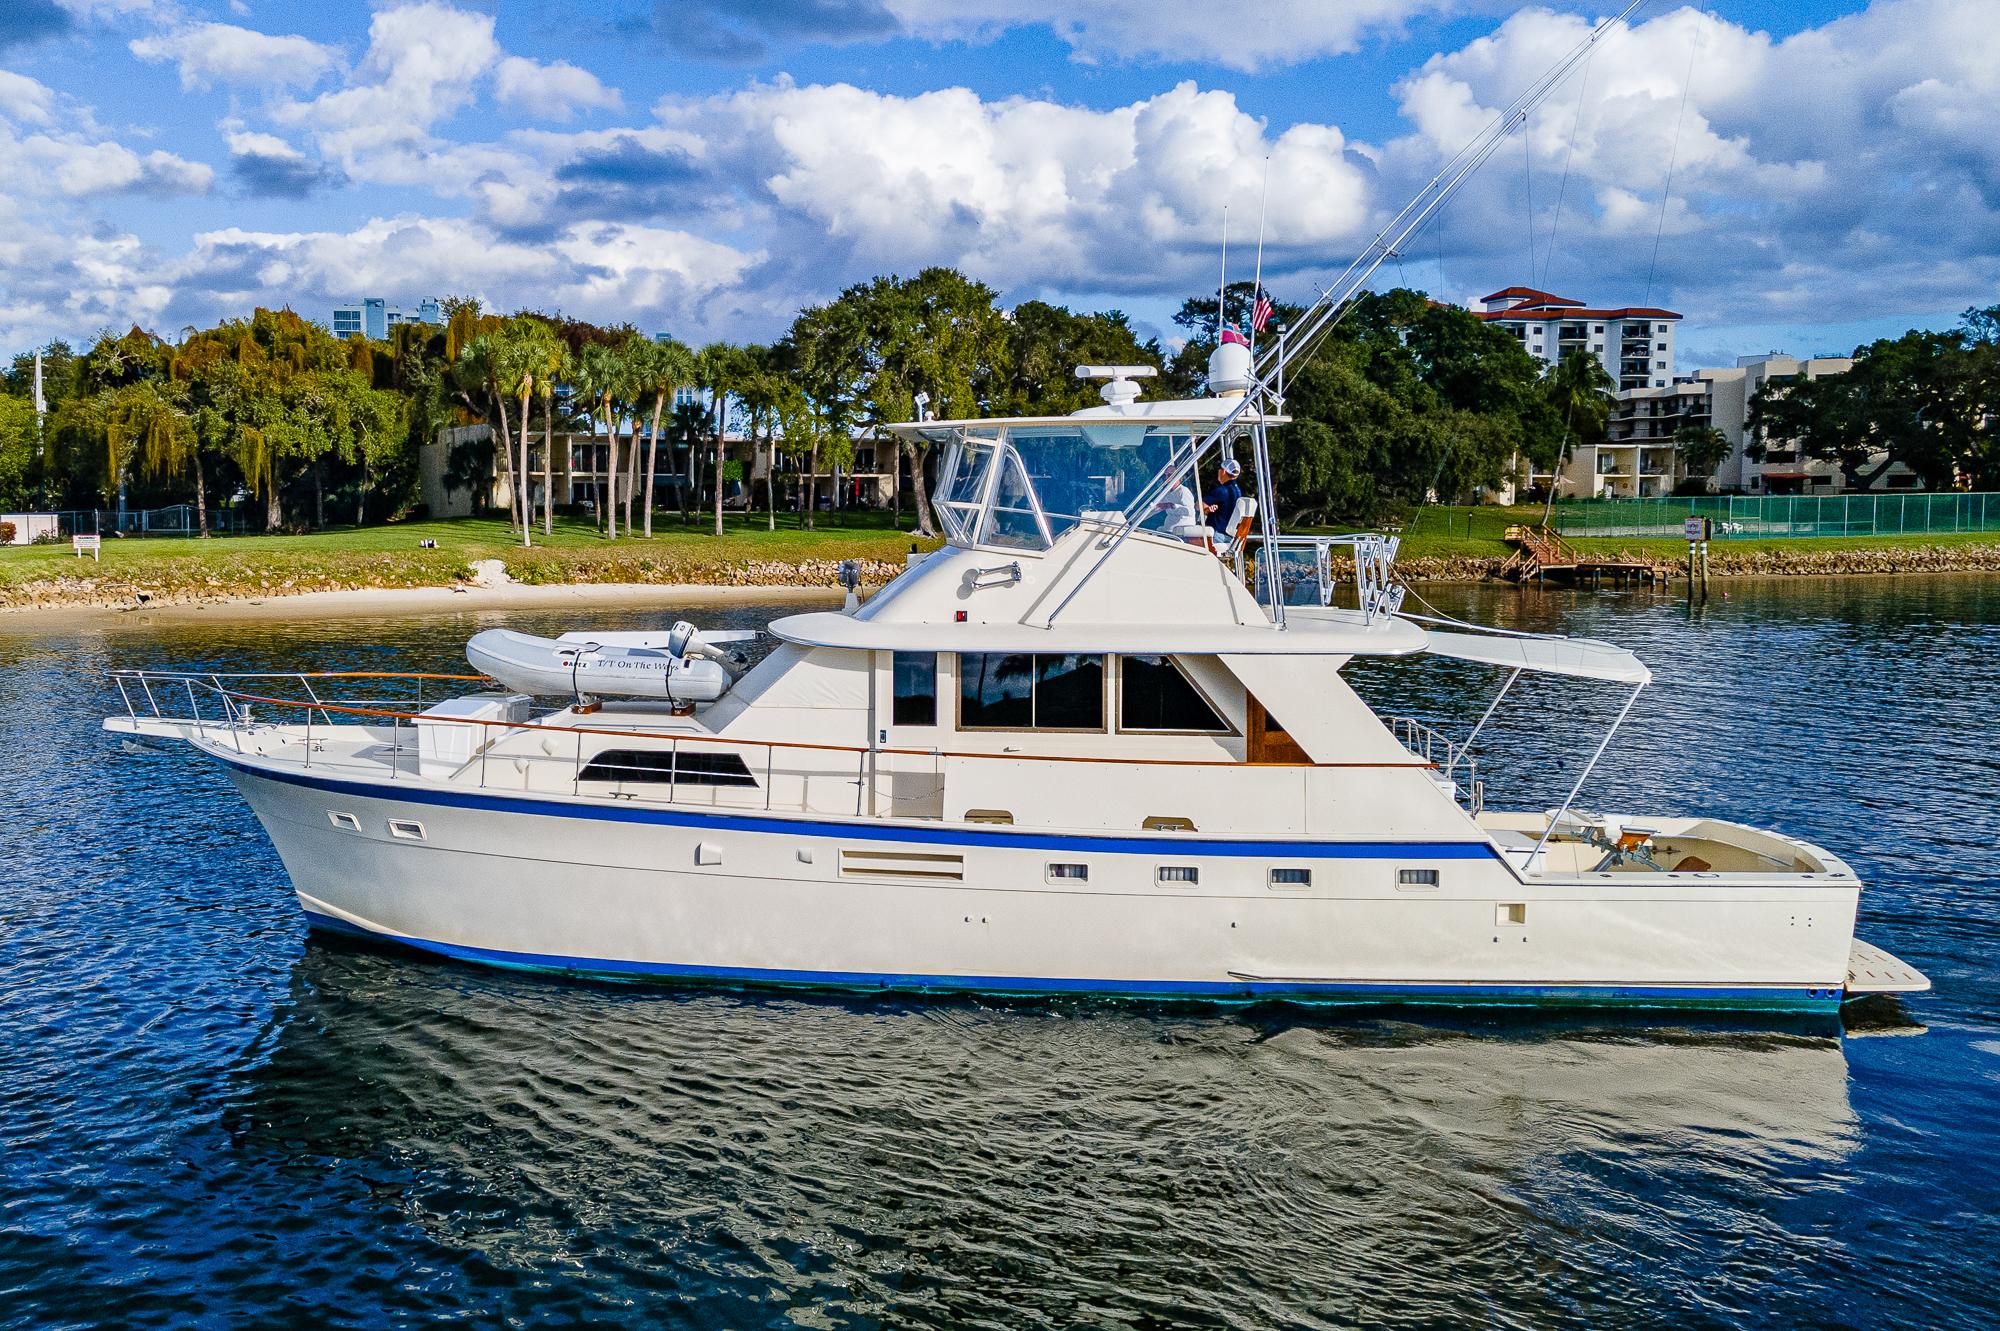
(1096, 744)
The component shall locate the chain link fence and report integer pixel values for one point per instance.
(1745, 517)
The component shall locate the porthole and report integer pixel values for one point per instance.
(1414, 879)
(1177, 875)
(1291, 877)
(406, 829)
(1068, 873)
(346, 822)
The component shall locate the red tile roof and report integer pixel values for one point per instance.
(1576, 312)
(1530, 296)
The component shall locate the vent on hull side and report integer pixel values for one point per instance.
(916, 865)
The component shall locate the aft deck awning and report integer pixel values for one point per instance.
(1583, 658)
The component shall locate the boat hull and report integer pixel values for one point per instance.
(699, 896)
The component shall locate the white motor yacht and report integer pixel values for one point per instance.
(1091, 746)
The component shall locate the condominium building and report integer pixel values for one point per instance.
(1784, 468)
(372, 316)
(1640, 456)
(1635, 343)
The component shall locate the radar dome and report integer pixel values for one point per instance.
(1229, 370)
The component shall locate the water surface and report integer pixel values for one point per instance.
(207, 1119)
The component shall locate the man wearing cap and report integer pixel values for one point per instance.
(1220, 501)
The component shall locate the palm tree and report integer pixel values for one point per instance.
(1702, 448)
(720, 368)
(663, 368)
(479, 372)
(519, 353)
(599, 374)
(1579, 388)
(554, 364)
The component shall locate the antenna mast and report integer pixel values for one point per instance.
(1326, 312)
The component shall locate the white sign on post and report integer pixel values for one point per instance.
(1693, 528)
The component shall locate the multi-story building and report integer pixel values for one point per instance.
(372, 316)
(1784, 468)
(1634, 343)
(1640, 456)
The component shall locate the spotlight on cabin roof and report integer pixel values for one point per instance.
(1119, 387)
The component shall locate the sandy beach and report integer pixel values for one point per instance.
(400, 601)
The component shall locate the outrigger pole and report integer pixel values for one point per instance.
(1320, 319)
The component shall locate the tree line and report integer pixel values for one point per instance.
(1409, 401)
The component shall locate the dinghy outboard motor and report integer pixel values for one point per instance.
(681, 665)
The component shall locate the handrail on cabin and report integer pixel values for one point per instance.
(231, 696)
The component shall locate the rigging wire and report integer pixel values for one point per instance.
(1528, 170)
(1673, 156)
(1325, 314)
(1575, 124)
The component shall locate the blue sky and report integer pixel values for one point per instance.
(706, 166)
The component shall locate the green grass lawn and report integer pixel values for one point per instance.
(391, 556)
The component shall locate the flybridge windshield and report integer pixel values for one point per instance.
(1022, 486)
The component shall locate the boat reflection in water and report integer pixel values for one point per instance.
(504, 1142)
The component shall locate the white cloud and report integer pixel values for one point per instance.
(422, 67)
(554, 91)
(212, 53)
(1790, 163)
(23, 100)
(1020, 192)
(77, 168)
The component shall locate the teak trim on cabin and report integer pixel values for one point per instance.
(1266, 740)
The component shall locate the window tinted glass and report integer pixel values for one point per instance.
(995, 690)
(1019, 692)
(1154, 695)
(916, 689)
(1069, 692)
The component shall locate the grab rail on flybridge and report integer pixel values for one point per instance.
(222, 713)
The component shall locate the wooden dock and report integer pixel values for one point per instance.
(1540, 554)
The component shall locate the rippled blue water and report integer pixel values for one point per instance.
(207, 1119)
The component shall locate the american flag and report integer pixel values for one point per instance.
(1260, 314)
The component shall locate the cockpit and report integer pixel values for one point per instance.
(1021, 483)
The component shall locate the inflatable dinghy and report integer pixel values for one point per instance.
(680, 665)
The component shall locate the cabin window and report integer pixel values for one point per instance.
(1018, 691)
(916, 689)
(1178, 874)
(1283, 877)
(1416, 878)
(1069, 873)
(1155, 694)
(665, 767)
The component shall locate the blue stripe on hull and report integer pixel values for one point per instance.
(878, 830)
(1230, 991)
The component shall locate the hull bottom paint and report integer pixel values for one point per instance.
(1787, 1001)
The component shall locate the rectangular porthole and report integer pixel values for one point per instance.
(1416, 880)
(1282, 877)
(346, 822)
(1177, 875)
(406, 829)
(1069, 873)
